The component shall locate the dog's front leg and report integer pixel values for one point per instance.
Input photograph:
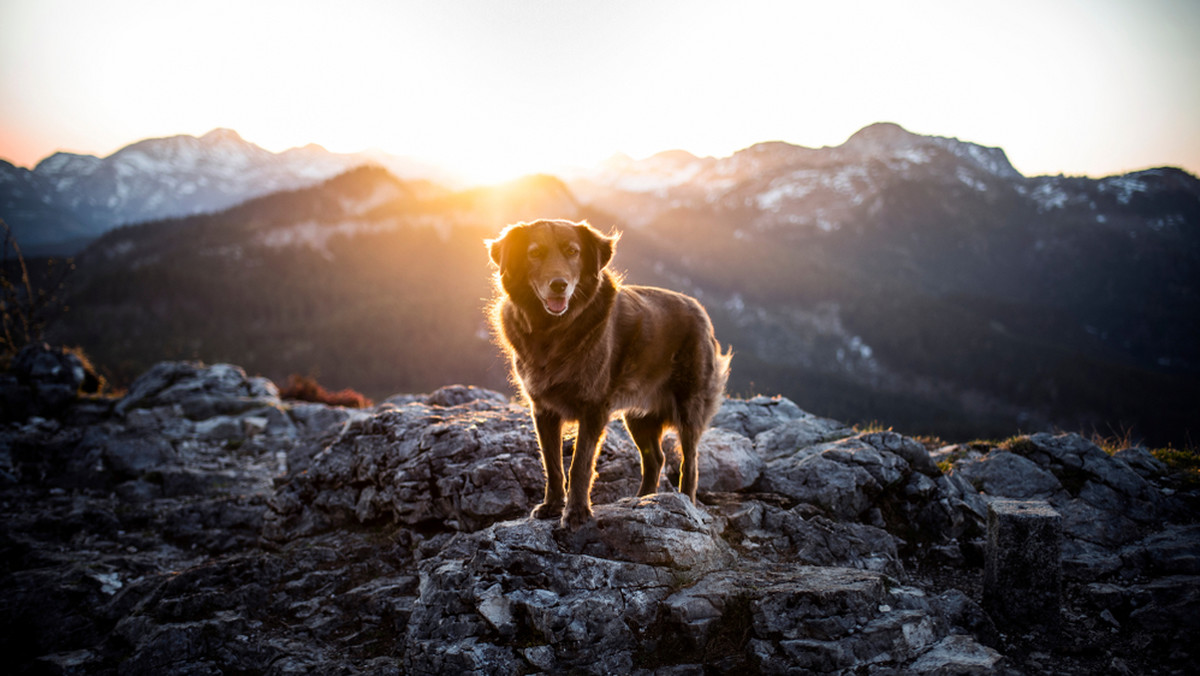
(583, 469)
(549, 434)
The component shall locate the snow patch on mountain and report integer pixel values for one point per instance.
(788, 188)
(812, 337)
(1123, 187)
(1049, 196)
(316, 235)
(964, 175)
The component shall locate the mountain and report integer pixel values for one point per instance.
(928, 278)
(918, 281)
(364, 280)
(69, 199)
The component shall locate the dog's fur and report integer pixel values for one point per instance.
(583, 346)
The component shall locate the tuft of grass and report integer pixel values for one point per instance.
(93, 381)
(1186, 463)
(871, 427)
(304, 388)
(931, 442)
(1021, 445)
(1111, 443)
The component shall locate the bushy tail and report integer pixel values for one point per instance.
(721, 362)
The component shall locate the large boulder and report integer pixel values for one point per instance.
(880, 478)
(650, 585)
(200, 391)
(464, 467)
(796, 427)
(43, 381)
(1106, 501)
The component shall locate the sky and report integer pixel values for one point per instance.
(494, 89)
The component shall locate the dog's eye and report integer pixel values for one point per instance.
(571, 251)
(536, 252)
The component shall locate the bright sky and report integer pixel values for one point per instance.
(494, 88)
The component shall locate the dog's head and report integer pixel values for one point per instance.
(552, 260)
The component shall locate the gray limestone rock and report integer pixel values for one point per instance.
(210, 528)
(200, 391)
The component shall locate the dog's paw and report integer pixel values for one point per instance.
(573, 519)
(547, 510)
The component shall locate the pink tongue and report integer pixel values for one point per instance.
(556, 305)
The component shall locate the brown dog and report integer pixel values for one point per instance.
(583, 346)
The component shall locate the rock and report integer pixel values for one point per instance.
(462, 467)
(728, 461)
(210, 528)
(750, 417)
(807, 620)
(1141, 461)
(458, 395)
(827, 477)
(40, 363)
(798, 433)
(1010, 475)
(200, 391)
(1104, 502)
(663, 529)
(315, 420)
(131, 456)
(1169, 607)
(511, 587)
(861, 478)
(781, 535)
(1022, 580)
(1173, 551)
(513, 597)
(1083, 560)
(958, 655)
(44, 381)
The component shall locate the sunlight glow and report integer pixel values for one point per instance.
(494, 90)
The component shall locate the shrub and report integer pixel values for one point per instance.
(305, 388)
(1186, 463)
(25, 307)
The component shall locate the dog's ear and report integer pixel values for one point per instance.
(496, 251)
(499, 248)
(602, 246)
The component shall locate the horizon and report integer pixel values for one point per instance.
(495, 92)
(466, 180)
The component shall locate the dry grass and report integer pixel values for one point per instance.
(304, 388)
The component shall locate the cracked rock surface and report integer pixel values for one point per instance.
(201, 525)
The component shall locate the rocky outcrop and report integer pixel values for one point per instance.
(203, 525)
(43, 381)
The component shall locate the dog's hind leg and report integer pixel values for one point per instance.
(549, 434)
(647, 435)
(583, 469)
(689, 468)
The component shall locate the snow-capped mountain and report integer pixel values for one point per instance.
(928, 268)
(778, 185)
(69, 199)
(918, 280)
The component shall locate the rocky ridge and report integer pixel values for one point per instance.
(202, 525)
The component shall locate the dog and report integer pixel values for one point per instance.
(584, 346)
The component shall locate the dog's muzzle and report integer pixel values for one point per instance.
(558, 299)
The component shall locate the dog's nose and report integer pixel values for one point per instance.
(558, 285)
